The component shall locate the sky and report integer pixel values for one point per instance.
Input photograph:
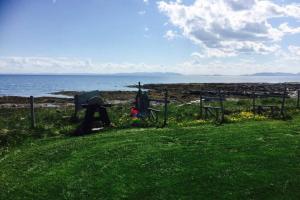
(229, 37)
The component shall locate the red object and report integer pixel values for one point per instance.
(134, 111)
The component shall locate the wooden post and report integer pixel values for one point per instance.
(298, 98)
(32, 112)
(222, 107)
(217, 115)
(201, 106)
(272, 111)
(253, 102)
(166, 109)
(205, 113)
(76, 107)
(283, 103)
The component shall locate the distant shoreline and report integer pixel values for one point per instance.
(45, 85)
(176, 92)
(148, 74)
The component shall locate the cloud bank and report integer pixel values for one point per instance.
(195, 65)
(226, 28)
(62, 65)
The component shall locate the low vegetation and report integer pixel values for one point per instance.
(252, 157)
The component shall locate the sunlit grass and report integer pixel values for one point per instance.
(242, 160)
(52, 122)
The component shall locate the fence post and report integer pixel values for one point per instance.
(298, 98)
(201, 106)
(166, 108)
(222, 106)
(283, 102)
(76, 102)
(138, 97)
(253, 102)
(32, 112)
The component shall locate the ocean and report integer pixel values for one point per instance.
(44, 85)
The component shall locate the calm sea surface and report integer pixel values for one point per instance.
(44, 85)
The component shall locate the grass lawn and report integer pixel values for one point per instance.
(242, 160)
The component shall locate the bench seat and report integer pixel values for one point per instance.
(153, 109)
(212, 107)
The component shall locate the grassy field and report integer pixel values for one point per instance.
(51, 122)
(245, 158)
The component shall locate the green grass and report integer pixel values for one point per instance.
(15, 123)
(245, 160)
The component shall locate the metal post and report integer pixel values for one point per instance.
(166, 108)
(138, 97)
(32, 112)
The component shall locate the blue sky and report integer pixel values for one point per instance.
(188, 36)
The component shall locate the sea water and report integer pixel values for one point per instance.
(45, 85)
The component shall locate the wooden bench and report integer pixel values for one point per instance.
(207, 111)
(216, 112)
(259, 109)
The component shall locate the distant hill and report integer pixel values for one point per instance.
(148, 74)
(274, 74)
(96, 74)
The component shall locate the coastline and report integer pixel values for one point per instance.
(176, 93)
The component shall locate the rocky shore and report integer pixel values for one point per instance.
(177, 92)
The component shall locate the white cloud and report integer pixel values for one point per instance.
(208, 52)
(142, 12)
(43, 65)
(285, 28)
(293, 54)
(225, 66)
(231, 27)
(70, 65)
(170, 35)
(146, 1)
(195, 65)
(295, 50)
